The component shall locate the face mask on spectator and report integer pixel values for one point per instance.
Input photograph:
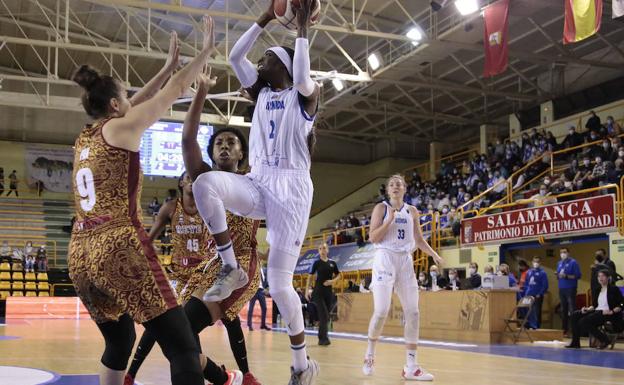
(472, 271)
(586, 162)
(598, 160)
(563, 255)
(542, 192)
(593, 136)
(621, 154)
(499, 273)
(571, 132)
(599, 258)
(535, 265)
(605, 145)
(433, 274)
(452, 277)
(610, 121)
(444, 211)
(546, 181)
(567, 184)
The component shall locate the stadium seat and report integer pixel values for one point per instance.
(5, 276)
(18, 276)
(17, 266)
(5, 285)
(42, 277)
(17, 294)
(5, 266)
(4, 294)
(31, 294)
(31, 286)
(17, 285)
(30, 277)
(43, 286)
(44, 294)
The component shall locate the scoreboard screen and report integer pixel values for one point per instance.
(161, 148)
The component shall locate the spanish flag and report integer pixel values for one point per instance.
(582, 19)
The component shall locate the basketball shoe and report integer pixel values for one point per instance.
(229, 279)
(307, 376)
(416, 374)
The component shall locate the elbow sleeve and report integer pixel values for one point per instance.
(301, 68)
(243, 68)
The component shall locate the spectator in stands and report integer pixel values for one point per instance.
(593, 123)
(603, 261)
(453, 280)
(437, 282)
(543, 197)
(42, 259)
(613, 128)
(503, 270)
(608, 152)
(598, 174)
(523, 266)
(29, 264)
(353, 220)
(573, 139)
(13, 183)
(29, 250)
(593, 136)
(568, 273)
(536, 286)
(615, 173)
(607, 305)
(153, 207)
(364, 220)
(423, 282)
(584, 170)
(165, 240)
(488, 271)
(382, 193)
(473, 275)
(6, 252)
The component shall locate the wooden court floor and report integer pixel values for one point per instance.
(73, 347)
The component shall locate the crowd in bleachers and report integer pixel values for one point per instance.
(23, 270)
(456, 184)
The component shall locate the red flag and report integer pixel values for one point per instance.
(495, 26)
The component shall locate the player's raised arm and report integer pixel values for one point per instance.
(126, 131)
(155, 84)
(191, 151)
(301, 66)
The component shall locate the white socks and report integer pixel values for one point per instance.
(226, 252)
(299, 357)
(411, 358)
(370, 350)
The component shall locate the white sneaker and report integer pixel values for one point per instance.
(369, 366)
(235, 377)
(307, 376)
(416, 374)
(228, 280)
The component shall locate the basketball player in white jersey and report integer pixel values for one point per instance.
(395, 232)
(278, 188)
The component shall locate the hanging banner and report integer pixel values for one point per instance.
(589, 215)
(495, 27)
(582, 19)
(50, 166)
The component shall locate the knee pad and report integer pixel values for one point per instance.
(119, 337)
(287, 300)
(377, 322)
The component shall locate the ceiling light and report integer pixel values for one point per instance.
(338, 84)
(466, 7)
(373, 61)
(415, 35)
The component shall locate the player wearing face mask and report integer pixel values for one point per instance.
(536, 286)
(568, 273)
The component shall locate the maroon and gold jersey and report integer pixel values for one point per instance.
(107, 179)
(190, 237)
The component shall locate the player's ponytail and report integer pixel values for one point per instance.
(99, 90)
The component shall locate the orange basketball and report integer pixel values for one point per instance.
(285, 12)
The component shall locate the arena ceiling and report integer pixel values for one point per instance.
(430, 91)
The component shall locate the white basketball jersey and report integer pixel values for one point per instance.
(400, 235)
(279, 131)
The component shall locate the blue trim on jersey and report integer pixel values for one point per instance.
(302, 108)
(385, 211)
